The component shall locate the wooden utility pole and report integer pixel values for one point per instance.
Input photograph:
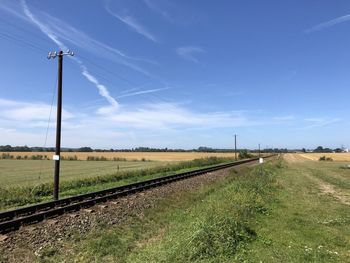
(57, 156)
(236, 147)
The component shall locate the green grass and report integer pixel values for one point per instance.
(304, 225)
(212, 224)
(35, 172)
(276, 214)
(11, 197)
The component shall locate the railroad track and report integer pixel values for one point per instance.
(13, 219)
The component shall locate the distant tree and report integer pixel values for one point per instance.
(319, 149)
(85, 149)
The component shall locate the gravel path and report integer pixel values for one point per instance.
(26, 244)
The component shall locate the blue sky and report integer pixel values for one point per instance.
(177, 74)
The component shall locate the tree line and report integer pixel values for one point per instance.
(9, 148)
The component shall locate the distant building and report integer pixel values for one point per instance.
(346, 150)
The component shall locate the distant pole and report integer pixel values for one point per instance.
(56, 157)
(259, 150)
(236, 147)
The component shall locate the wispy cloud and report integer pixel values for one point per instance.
(101, 88)
(133, 24)
(33, 113)
(60, 32)
(190, 52)
(49, 33)
(328, 24)
(151, 118)
(155, 7)
(284, 118)
(140, 92)
(320, 122)
(41, 26)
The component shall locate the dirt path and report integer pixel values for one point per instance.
(324, 187)
(328, 189)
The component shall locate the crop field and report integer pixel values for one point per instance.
(34, 172)
(340, 157)
(152, 156)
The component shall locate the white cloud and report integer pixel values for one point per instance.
(101, 88)
(140, 92)
(49, 33)
(156, 8)
(151, 123)
(284, 118)
(329, 24)
(320, 122)
(27, 112)
(189, 52)
(133, 24)
(41, 26)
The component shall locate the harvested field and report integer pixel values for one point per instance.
(152, 156)
(299, 157)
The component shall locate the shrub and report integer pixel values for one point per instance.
(244, 154)
(324, 158)
(217, 236)
(7, 156)
(119, 159)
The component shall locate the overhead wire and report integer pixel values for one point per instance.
(48, 123)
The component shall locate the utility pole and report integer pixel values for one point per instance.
(56, 157)
(236, 147)
(259, 150)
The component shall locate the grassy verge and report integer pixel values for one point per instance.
(276, 214)
(19, 196)
(305, 224)
(212, 224)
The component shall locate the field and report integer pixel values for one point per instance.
(287, 211)
(27, 172)
(340, 157)
(153, 156)
(22, 183)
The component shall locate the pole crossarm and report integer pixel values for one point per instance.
(59, 53)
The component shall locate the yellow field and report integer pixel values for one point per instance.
(300, 157)
(153, 156)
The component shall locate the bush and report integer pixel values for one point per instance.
(70, 158)
(7, 156)
(119, 159)
(96, 158)
(244, 154)
(218, 236)
(324, 158)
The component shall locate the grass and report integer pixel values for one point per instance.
(27, 172)
(274, 214)
(305, 225)
(15, 196)
(196, 226)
